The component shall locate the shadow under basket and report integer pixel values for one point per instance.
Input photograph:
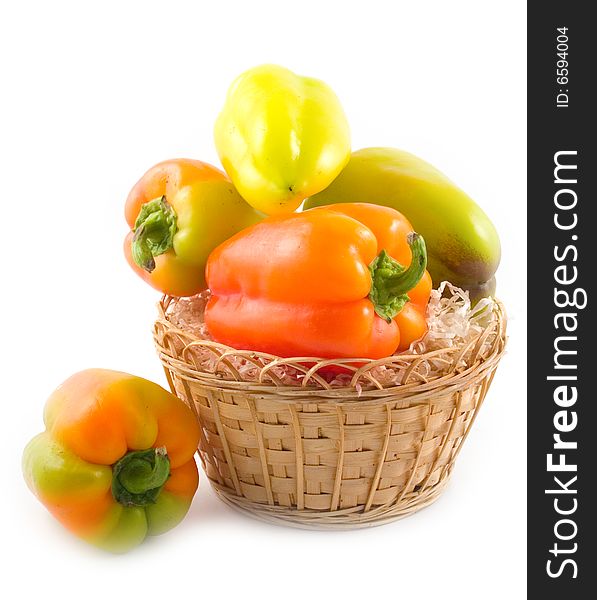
(321, 456)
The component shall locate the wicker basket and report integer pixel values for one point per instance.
(323, 457)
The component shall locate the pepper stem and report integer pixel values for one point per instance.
(390, 281)
(154, 232)
(138, 477)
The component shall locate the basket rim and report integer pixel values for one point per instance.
(314, 387)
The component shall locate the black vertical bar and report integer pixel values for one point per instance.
(562, 242)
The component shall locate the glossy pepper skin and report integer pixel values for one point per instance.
(463, 244)
(281, 137)
(115, 463)
(178, 212)
(321, 283)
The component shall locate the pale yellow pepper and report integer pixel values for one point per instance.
(281, 137)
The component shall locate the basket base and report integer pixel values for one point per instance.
(348, 518)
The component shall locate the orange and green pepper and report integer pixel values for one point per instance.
(337, 282)
(178, 212)
(115, 463)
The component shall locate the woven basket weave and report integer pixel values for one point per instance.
(324, 457)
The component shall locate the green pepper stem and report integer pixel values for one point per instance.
(138, 477)
(154, 232)
(390, 281)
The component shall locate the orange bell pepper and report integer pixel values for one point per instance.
(115, 463)
(345, 281)
(178, 212)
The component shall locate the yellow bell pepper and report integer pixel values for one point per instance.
(281, 137)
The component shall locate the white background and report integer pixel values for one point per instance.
(93, 94)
